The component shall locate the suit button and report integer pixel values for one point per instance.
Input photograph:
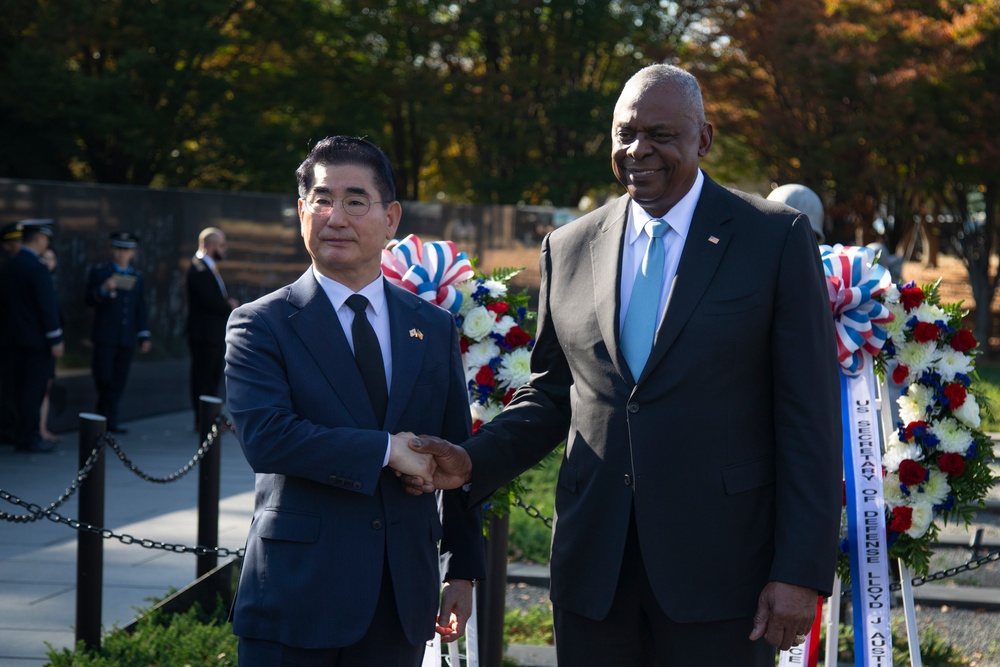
(376, 524)
(633, 407)
(357, 485)
(628, 481)
(335, 480)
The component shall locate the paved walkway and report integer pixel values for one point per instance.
(38, 560)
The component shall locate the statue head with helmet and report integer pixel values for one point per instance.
(804, 200)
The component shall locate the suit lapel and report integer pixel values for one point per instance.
(605, 257)
(317, 325)
(699, 260)
(406, 326)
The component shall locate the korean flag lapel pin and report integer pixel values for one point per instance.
(416, 333)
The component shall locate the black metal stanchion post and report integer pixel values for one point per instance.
(492, 594)
(209, 472)
(90, 546)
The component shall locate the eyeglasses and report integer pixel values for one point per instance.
(356, 205)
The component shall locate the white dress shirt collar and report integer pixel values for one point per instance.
(338, 293)
(209, 262)
(679, 217)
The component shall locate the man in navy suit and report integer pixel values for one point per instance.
(115, 290)
(698, 503)
(341, 565)
(32, 334)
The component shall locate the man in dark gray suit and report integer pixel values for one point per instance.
(698, 503)
(209, 306)
(341, 565)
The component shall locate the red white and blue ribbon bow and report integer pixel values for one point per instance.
(430, 270)
(852, 279)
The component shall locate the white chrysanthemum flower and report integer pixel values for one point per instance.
(478, 323)
(968, 414)
(496, 288)
(928, 312)
(891, 492)
(897, 452)
(485, 413)
(914, 403)
(951, 363)
(466, 289)
(952, 436)
(918, 357)
(478, 355)
(923, 514)
(515, 368)
(503, 325)
(896, 330)
(936, 488)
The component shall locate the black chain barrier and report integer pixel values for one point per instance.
(213, 433)
(973, 564)
(36, 512)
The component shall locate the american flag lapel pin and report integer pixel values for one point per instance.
(416, 333)
(713, 239)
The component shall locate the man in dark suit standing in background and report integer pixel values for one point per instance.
(32, 332)
(341, 565)
(115, 290)
(209, 306)
(698, 503)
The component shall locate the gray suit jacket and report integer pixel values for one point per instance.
(727, 446)
(326, 513)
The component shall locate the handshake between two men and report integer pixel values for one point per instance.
(426, 464)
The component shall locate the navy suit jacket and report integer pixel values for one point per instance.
(327, 514)
(727, 446)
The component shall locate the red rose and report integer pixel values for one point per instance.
(925, 332)
(952, 464)
(485, 377)
(955, 393)
(517, 337)
(843, 493)
(476, 424)
(902, 519)
(911, 297)
(463, 344)
(500, 307)
(911, 472)
(963, 341)
(899, 374)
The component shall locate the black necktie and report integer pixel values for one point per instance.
(368, 355)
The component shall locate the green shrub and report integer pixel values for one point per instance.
(193, 638)
(528, 626)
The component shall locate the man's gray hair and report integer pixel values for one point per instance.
(683, 81)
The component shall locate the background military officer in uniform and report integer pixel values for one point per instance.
(32, 336)
(115, 290)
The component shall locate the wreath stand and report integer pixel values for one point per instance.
(905, 576)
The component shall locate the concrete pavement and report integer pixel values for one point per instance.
(38, 559)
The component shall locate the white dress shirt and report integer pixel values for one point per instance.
(637, 240)
(378, 316)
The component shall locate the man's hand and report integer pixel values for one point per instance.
(145, 346)
(783, 611)
(406, 461)
(58, 350)
(453, 467)
(456, 608)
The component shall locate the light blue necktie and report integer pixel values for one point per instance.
(640, 321)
